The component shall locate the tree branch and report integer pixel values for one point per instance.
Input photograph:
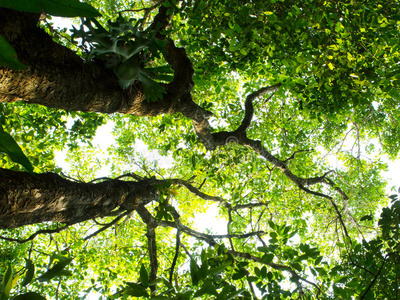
(31, 237)
(108, 225)
(249, 107)
(151, 238)
(27, 199)
(374, 280)
(178, 241)
(197, 192)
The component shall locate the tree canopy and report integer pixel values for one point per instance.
(277, 116)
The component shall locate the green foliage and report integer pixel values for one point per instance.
(9, 281)
(10, 147)
(337, 112)
(319, 50)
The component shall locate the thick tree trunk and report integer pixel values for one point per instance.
(57, 77)
(27, 199)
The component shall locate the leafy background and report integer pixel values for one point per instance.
(338, 103)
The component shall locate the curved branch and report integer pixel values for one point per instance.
(31, 237)
(239, 236)
(108, 225)
(197, 192)
(178, 242)
(249, 107)
(373, 280)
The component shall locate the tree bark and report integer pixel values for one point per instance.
(27, 199)
(57, 77)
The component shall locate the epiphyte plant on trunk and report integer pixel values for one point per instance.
(127, 50)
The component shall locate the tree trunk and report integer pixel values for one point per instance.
(27, 199)
(57, 77)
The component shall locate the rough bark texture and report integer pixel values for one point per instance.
(27, 199)
(57, 77)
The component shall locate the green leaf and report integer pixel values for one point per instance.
(367, 218)
(152, 89)
(194, 270)
(136, 290)
(62, 8)
(30, 267)
(8, 56)
(217, 270)
(267, 258)
(57, 270)
(128, 71)
(263, 249)
(29, 296)
(11, 148)
(341, 279)
(144, 278)
(235, 294)
(243, 51)
(6, 284)
(394, 93)
(240, 274)
(207, 288)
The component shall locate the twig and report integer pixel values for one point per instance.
(42, 231)
(228, 229)
(197, 192)
(296, 152)
(132, 175)
(374, 280)
(178, 241)
(142, 9)
(251, 288)
(106, 226)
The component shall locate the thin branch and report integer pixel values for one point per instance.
(131, 175)
(201, 185)
(151, 223)
(251, 288)
(273, 265)
(146, 9)
(228, 228)
(249, 205)
(296, 152)
(239, 136)
(261, 240)
(210, 239)
(30, 238)
(197, 192)
(108, 225)
(186, 251)
(178, 241)
(334, 206)
(58, 287)
(374, 280)
(239, 236)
